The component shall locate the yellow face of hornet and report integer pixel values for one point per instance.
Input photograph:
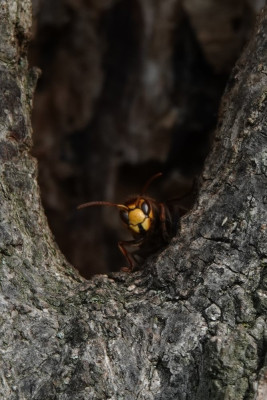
(137, 215)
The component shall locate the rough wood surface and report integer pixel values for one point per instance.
(192, 325)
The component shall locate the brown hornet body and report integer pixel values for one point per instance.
(151, 223)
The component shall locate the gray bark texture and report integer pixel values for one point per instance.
(192, 324)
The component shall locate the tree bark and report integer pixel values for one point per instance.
(192, 324)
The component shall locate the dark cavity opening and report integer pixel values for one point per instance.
(127, 89)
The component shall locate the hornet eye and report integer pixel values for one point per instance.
(145, 207)
(125, 216)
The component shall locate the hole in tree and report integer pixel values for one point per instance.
(126, 91)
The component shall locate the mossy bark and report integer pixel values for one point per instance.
(192, 324)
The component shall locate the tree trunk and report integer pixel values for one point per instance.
(192, 324)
